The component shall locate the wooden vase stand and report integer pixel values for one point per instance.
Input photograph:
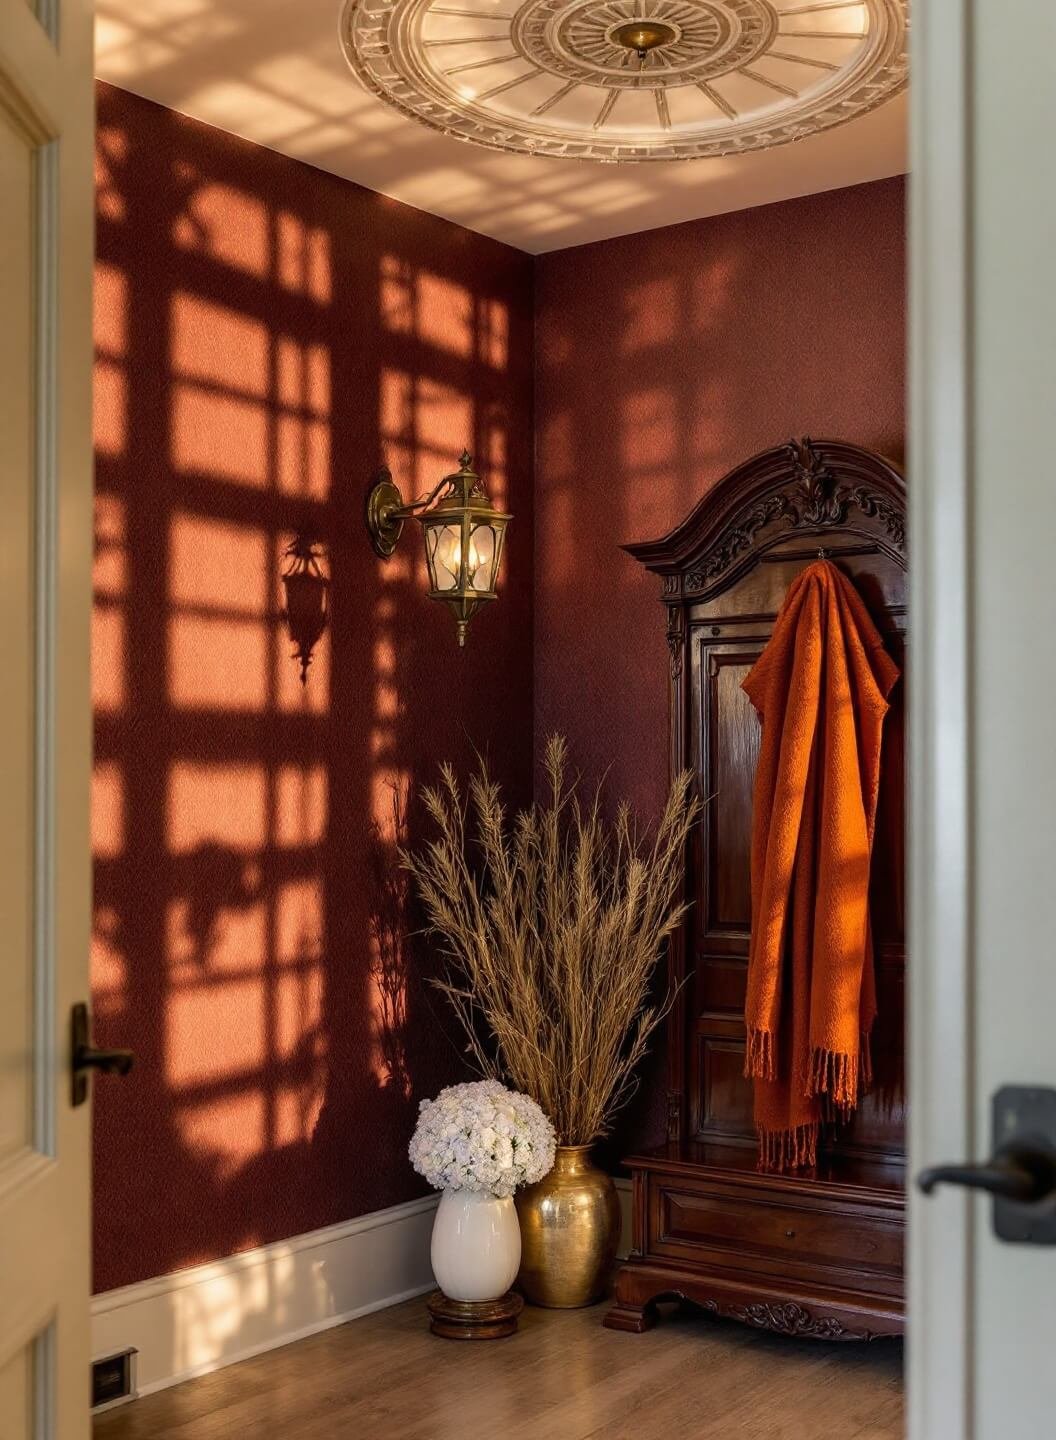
(473, 1319)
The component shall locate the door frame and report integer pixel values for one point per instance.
(940, 1067)
(47, 110)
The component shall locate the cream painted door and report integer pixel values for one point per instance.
(46, 120)
(983, 776)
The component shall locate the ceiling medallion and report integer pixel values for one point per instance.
(619, 80)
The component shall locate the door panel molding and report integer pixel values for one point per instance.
(46, 326)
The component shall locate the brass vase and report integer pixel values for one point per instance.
(570, 1227)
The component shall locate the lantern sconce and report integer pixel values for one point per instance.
(307, 605)
(463, 534)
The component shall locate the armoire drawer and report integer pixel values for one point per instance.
(764, 1233)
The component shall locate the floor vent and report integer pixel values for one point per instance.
(114, 1379)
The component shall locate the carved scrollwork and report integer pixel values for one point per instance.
(812, 499)
(822, 501)
(787, 1318)
(739, 537)
(675, 637)
(641, 1286)
(893, 518)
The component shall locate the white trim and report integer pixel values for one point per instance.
(197, 1320)
(940, 475)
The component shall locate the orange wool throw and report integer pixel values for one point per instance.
(820, 688)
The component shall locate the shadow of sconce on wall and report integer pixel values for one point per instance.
(462, 531)
(307, 600)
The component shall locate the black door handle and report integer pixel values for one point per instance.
(1021, 1172)
(111, 1062)
(85, 1057)
(1021, 1175)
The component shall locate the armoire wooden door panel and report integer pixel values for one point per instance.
(878, 1127)
(725, 1099)
(728, 745)
(720, 981)
(724, 643)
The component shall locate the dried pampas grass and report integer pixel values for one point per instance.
(552, 928)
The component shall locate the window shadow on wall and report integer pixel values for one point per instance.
(266, 336)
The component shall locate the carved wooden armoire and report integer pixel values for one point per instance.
(808, 1253)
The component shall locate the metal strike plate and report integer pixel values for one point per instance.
(1024, 1116)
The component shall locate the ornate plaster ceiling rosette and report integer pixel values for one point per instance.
(557, 77)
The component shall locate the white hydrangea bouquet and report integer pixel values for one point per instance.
(481, 1136)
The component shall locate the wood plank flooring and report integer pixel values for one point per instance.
(563, 1377)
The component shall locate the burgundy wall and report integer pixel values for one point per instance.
(265, 334)
(662, 360)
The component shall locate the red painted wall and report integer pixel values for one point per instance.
(265, 334)
(662, 360)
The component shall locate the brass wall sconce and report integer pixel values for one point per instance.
(463, 534)
(307, 607)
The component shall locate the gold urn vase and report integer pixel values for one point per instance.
(570, 1227)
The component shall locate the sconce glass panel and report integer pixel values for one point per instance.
(482, 554)
(444, 553)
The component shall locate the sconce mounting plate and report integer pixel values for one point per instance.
(382, 522)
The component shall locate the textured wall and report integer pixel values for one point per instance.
(662, 360)
(265, 333)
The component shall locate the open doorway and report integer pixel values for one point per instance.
(611, 340)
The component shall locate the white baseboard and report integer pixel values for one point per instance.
(197, 1320)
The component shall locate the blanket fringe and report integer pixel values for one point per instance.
(794, 1149)
(759, 1056)
(839, 1077)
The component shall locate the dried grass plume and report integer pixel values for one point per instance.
(552, 927)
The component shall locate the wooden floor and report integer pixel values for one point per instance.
(562, 1377)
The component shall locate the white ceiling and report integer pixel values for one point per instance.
(273, 71)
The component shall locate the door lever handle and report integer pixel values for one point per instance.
(85, 1057)
(1021, 1175)
(1021, 1172)
(111, 1062)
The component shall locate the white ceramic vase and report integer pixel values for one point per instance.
(476, 1249)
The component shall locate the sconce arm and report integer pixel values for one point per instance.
(386, 510)
(406, 512)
